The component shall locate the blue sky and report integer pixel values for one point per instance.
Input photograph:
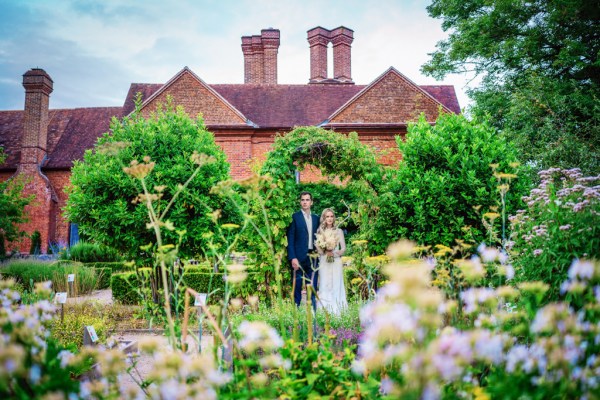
(94, 49)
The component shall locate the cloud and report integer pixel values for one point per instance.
(95, 49)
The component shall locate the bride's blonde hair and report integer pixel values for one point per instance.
(323, 225)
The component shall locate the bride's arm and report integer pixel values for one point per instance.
(342, 249)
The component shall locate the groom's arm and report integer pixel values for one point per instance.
(291, 237)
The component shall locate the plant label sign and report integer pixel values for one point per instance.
(200, 300)
(71, 278)
(92, 332)
(61, 297)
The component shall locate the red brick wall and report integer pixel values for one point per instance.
(60, 180)
(393, 99)
(241, 147)
(190, 93)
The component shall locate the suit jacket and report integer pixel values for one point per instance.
(297, 236)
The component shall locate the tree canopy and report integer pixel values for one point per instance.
(12, 205)
(101, 197)
(540, 72)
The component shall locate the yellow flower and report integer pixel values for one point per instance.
(356, 281)
(491, 215)
(230, 226)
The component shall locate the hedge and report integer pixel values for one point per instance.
(123, 287)
(104, 275)
(117, 266)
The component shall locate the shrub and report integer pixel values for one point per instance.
(123, 286)
(446, 173)
(86, 279)
(69, 331)
(214, 284)
(101, 194)
(560, 223)
(36, 243)
(92, 252)
(103, 275)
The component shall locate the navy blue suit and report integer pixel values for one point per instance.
(297, 236)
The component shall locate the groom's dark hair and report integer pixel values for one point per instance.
(304, 193)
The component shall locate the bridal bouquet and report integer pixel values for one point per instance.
(327, 239)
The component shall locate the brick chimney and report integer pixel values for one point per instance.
(260, 57)
(41, 211)
(38, 86)
(318, 39)
(342, 40)
(270, 41)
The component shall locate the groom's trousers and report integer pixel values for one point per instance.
(305, 275)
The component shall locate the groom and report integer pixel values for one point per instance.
(301, 242)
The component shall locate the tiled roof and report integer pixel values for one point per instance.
(285, 106)
(70, 133)
(445, 94)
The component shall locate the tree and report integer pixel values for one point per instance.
(540, 72)
(102, 197)
(449, 177)
(12, 205)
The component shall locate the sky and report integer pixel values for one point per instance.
(95, 49)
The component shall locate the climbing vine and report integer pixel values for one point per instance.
(336, 155)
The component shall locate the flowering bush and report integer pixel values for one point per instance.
(561, 222)
(30, 360)
(505, 348)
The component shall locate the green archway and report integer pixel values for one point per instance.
(336, 155)
(274, 197)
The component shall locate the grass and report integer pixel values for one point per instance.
(28, 272)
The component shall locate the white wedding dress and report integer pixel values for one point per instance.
(332, 292)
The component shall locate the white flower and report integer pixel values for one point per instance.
(65, 357)
(581, 269)
(258, 335)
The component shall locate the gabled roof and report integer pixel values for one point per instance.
(188, 90)
(70, 133)
(392, 98)
(286, 106)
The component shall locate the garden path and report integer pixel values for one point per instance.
(145, 363)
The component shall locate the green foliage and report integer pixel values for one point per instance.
(328, 195)
(124, 287)
(561, 223)
(31, 358)
(87, 252)
(103, 275)
(36, 243)
(12, 204)
(213, 283)
(269, 201)
(69, 331)
(113, 266)
(32, 271)
(104, 201)
(539, 64)
(552, 123)
(446, 173)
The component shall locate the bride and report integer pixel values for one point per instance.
(331, 247)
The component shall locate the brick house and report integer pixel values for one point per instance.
(42, 143)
